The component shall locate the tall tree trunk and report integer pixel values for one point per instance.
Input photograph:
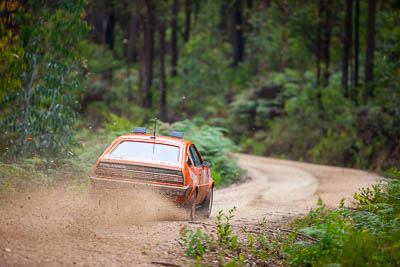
(356, 50)
(319, 41)
(129, 83)
(131, 48)
(326, 44)
(108, 35)
(142, 26)
(163, 85)
(149, 54)
(283, 36)
(347, 47)
(133, 36)
(109, 27)
(223, 14)
(237, 33)
(369, 62)
(188, 16)
(196, 10)
(321, 9)
(174, 39)
(249, 5)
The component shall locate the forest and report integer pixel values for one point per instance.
(311, 81)
(314, 81)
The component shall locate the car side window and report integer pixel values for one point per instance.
(189, 162)
(195, 156)
(191, 155)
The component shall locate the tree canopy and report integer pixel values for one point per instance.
(308, 80)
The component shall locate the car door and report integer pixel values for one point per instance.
(200, 170)
(197, 166)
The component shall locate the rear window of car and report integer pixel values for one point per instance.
(146, 152)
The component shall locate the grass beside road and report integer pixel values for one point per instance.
(72, 171)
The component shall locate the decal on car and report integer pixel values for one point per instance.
(193, 176)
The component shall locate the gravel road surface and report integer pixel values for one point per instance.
(56, 227)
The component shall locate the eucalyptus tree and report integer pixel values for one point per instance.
(40, 114)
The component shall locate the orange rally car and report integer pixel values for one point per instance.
(170, 165)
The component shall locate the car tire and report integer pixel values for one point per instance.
(206, 205)
(192, 206)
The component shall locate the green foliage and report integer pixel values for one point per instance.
(229, 248)
(115, 123)
(328, 228)
(197, 243)
(200, 88)
(96, 58)
(92, 145)
(224, 231)
(194, 242)
(287, 113)
(40, 115)
(336, 131)
(368, 235)
(11, 52)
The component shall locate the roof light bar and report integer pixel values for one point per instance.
(177, 134)
(139, 130)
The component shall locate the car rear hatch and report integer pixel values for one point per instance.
(139, 173)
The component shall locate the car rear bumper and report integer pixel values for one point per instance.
(102, 184)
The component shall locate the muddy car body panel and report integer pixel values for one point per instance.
(169, 165)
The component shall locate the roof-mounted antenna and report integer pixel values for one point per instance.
(155, 128)
(154, 133)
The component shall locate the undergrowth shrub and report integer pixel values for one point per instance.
(194, 242)
(224, 232)
(228, 247)
(368, 235)
(197, 243)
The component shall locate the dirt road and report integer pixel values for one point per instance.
(55, 227)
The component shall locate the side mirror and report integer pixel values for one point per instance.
(207, 164)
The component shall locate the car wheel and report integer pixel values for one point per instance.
(206, 206)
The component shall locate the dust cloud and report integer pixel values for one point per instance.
(50, 212)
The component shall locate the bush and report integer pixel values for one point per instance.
(368, 235)
(38, 117)
(194, 242)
